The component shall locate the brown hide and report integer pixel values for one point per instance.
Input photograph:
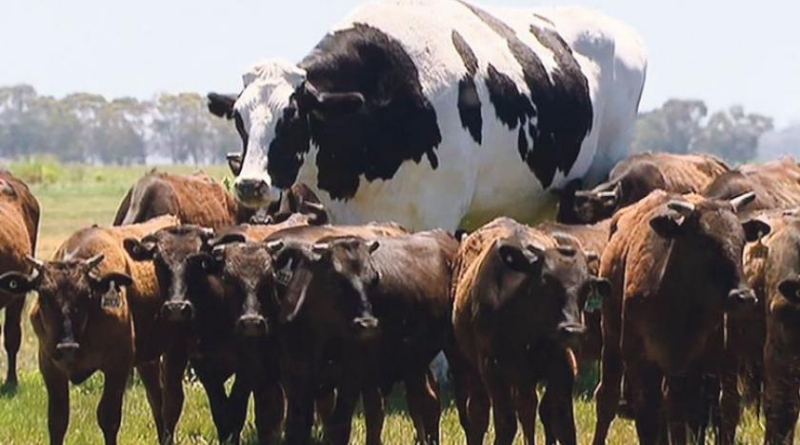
(775, 183)
(635, 177)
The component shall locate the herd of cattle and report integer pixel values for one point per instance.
(680, 274)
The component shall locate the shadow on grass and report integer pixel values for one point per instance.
(8, 390)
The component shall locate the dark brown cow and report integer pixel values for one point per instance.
(199, 199)
(781, 351)
(634, 178)
(241, 266)
(592, 240)
(775, 183)
(194, 302)
(95, 312)
(518, 296)
(766, 264)
(674, 263)
(19, 226)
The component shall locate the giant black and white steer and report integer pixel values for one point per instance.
(430, 113)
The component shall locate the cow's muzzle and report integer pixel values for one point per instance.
(177, 311)
(252, 326)
(253, 192)
(67, 351)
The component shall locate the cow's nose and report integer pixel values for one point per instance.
(177, 311)
(741, 298)
(252, 326)
(251, 190)
(67, 350)
(365, 322)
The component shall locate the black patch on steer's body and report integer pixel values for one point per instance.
(469, 104)
(563, 107)
(396, 124)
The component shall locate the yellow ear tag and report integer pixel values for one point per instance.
(111, 299)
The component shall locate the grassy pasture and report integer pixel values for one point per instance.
(73, 197)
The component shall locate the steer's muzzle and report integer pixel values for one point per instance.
(253, 192)
(741, 299)
(177, 311)
(67, 351)
(252, 326)
(366, 326)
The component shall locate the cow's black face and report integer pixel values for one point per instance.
(287, 151)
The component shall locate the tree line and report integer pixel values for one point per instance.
(88, 128)
(177, 128)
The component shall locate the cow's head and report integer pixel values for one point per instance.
(550, 285)
(331, 278)
(708, 241)
(69, 292)
(170, 249)
(272, 117)
(245, 271)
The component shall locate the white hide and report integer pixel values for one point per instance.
(473, 182)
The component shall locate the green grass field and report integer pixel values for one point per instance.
(75, 197)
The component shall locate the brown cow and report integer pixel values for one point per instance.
(675, 267)
(95, 312)
(241, 265)
(210, 346)
(518, 296)
(19, 226)
(766, 263)
(592, 240)
(780, 354)
(775, 183)
(199, 199)
(634, 178)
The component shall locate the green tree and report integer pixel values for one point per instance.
(670, 128)
(732, 134)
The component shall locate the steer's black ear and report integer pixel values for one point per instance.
(755, 229)
(328, 105)
(221, 105)
(667, 225)
(16, 283)
(790, 288)
(140, 250)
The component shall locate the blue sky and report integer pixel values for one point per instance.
(722, 51)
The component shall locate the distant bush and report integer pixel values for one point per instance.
(39, 170)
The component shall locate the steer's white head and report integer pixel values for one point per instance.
(272, 117)
(257, 111)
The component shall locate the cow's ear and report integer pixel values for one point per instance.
(143, 250)
(16, 283)
(790, 288)
(667, 225)
(755, 229)
(520, 259)
(601, 286)
(221, 105)
(328, 105)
